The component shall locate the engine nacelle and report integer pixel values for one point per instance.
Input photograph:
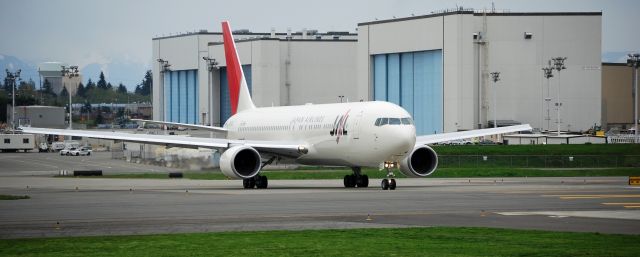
(240, 162)
(421, 162)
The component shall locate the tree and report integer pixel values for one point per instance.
(90, 86)
(102, 83)
(144, 88)
(46, 87)
(81, 90)
(64, 93)
(122, 89)
(109, 86)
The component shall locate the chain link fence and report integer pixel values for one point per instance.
(538, 161)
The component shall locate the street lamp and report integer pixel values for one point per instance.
(634, 62)
(164, 67)
(558, 64)
(12, 77)
(341, 97)
(212, 65)
(70, 72)
(548, 73)
(495, 76)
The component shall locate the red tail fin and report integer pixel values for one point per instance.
(238, 89)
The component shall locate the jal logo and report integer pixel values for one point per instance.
(339, 125)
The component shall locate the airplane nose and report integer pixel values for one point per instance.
(405, 139)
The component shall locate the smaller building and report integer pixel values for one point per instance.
(617, 96)
(40, 116)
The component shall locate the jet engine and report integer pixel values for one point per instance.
(421, 162)
(240, 162)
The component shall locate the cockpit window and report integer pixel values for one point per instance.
(378, 121)
(384, 121)
(407, 121)
(394, 121)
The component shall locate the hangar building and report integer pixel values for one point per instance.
(436, 66)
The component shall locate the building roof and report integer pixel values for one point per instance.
(310, 33)
(480, 13)
(282, 39)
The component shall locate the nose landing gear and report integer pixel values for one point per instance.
(357, 179)
(389, 183)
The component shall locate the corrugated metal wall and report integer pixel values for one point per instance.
(412, 80)
(181, 96)
(225, 100)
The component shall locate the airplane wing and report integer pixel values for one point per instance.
(289, 149)
(437, 138)
(202, 127)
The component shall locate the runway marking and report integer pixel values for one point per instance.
(621, 203)
(632, 206)
(603, 196)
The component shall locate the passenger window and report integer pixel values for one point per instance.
(7, 141)
(394, 121)
(378, 121)
(384, 121)
(25, 140)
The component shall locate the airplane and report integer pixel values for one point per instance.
(356, 135)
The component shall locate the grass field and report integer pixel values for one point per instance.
(14, 197)
(356, 242)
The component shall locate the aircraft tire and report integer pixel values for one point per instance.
(384, 184)
(392, 184)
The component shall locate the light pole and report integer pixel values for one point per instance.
(634, 62)
(558, 64)
(212, 65)
(495, 76)
(548, 73)
(12, 77)
(70, 72)
(164, 67)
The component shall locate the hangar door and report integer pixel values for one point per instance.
(225, 99)
(181, 96)
(412, 80)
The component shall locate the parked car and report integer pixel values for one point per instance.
(80, 151)
(57, 146)
(67, 151)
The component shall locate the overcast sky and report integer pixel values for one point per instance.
(91, 31)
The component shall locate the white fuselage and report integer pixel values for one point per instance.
(341, 134)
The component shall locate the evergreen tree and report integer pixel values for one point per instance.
(102, 83)
(81, 90)
(46, 87)
(109, 86)
(90, 86)
(64, 93)
(122, 89)
(144, 88)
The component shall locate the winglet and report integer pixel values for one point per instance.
(238, 89)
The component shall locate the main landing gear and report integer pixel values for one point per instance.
(255, 182)
(357, 179)
(389, 183)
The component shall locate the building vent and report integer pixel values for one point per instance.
(528, 35)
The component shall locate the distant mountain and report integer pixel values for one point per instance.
(12, 63)
(116, 72)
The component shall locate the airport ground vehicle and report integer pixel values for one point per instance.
(80, 151)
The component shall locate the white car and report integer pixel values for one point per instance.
(80, 151)
(67, 151)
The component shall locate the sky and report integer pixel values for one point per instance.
(84, 32)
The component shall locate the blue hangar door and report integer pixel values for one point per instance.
(412, 80)
(181, 96)
(225, 100)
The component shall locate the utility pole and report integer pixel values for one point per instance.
(70, 72)
(634, 62)
(548, 73)
(12, 77)
(495, 76)
(558, 64)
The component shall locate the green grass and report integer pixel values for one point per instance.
(14, 197)
(585, 149)
(437, 241)
(375, 174)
